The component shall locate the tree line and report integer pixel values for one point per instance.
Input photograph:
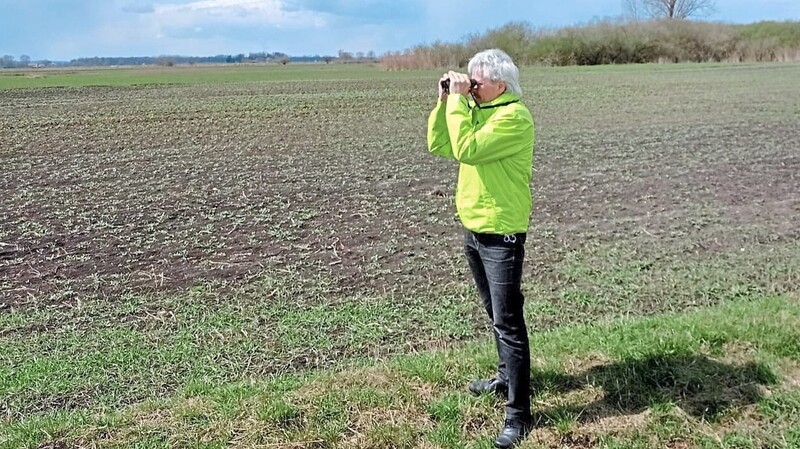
(650, 31)
(8, 61)
(168, 60)
(620, 41)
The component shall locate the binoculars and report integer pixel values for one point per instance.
(446, 85)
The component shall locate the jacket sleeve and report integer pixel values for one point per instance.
(503, 135)
(438, 137)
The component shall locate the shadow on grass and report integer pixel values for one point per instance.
(701, 387)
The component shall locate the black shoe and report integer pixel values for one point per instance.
(491, 386)
(512, 434)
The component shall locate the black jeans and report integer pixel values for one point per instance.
(496, 264)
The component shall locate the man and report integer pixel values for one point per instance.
(491, 136)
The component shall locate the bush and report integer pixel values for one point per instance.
(665, 40)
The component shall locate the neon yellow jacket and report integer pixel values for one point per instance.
(494, 145)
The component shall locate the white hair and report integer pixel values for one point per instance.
(496, 65)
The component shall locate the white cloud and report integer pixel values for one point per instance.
(196, 28)
(144, 39)
(250, 12)
(138, 7)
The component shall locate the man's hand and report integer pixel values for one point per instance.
(459, 83)
(442, 93)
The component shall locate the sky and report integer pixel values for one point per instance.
(61, 30)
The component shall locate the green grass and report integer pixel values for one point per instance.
(651, 380)
(271, 73)
(114, 354)
(187, 75)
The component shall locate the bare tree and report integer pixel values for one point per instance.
(633, 9)
(345, 56)
(7, 61)
(672, 9)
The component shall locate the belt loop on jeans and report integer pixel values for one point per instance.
(510, 238)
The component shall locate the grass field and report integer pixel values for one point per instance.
(260, 257)
(183, 75)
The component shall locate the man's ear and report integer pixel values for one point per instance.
(503, 85)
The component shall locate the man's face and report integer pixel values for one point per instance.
(487, 90)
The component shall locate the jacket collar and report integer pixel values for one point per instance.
(502, 99)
